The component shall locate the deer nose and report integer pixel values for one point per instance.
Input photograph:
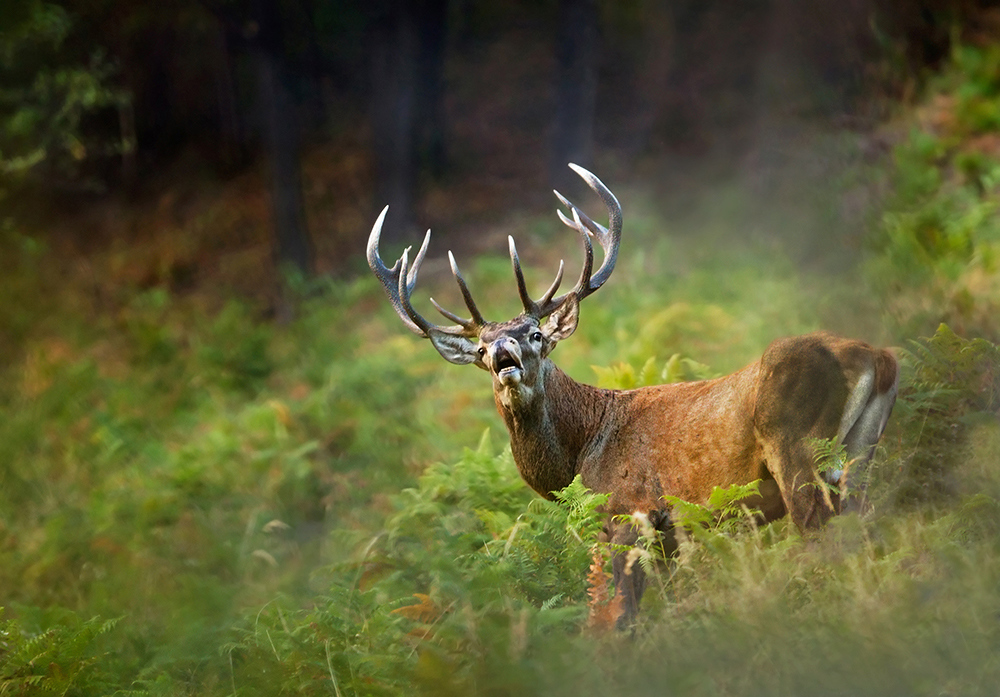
(504, 353)
(503, 345)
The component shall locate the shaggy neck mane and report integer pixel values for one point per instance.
(552, 429)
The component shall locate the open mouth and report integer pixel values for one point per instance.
(506, 365)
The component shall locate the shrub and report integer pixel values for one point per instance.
(56, 653)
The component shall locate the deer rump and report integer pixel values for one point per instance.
(681, 439)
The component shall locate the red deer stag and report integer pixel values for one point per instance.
(680, 439)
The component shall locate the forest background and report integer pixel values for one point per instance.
(225, 468)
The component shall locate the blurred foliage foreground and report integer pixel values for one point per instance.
(200, 503)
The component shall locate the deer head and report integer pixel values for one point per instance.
(513, 351)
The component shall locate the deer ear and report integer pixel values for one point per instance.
(563, 320)
(454, 349)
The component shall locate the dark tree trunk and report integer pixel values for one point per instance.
(576, 89)
(683, 123)
(432, 21)
(281, 140)
(407, 66)
(129, 142)
(394, 53)
(260, 31)
(232, 145)
(280, 124)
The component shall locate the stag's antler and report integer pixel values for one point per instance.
(609, 239)
(400, 280)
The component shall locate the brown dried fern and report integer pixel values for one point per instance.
(604, 605)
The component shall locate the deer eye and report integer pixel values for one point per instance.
(482, 351)
(537, 336)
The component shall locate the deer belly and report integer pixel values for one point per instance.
(691, 475)
(686, 468)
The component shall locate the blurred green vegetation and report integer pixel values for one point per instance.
(197, 501)
(49, 89)
(937, 246)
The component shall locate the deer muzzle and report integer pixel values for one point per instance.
(505, 361)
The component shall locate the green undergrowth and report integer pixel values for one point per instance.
(175, 466)
(937, 245)
(250, 503)
(473, 581)
(475, 586)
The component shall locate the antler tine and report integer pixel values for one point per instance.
(477, 320)
(547, 304)
(609, 238)
(467, 328)
(407, 279)
(411, 276)
(588, 259)
(390, 278)
(544, 306)
(447, 313)
(593, 227)
(554, 287)
(522, 289)
(400, 280)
